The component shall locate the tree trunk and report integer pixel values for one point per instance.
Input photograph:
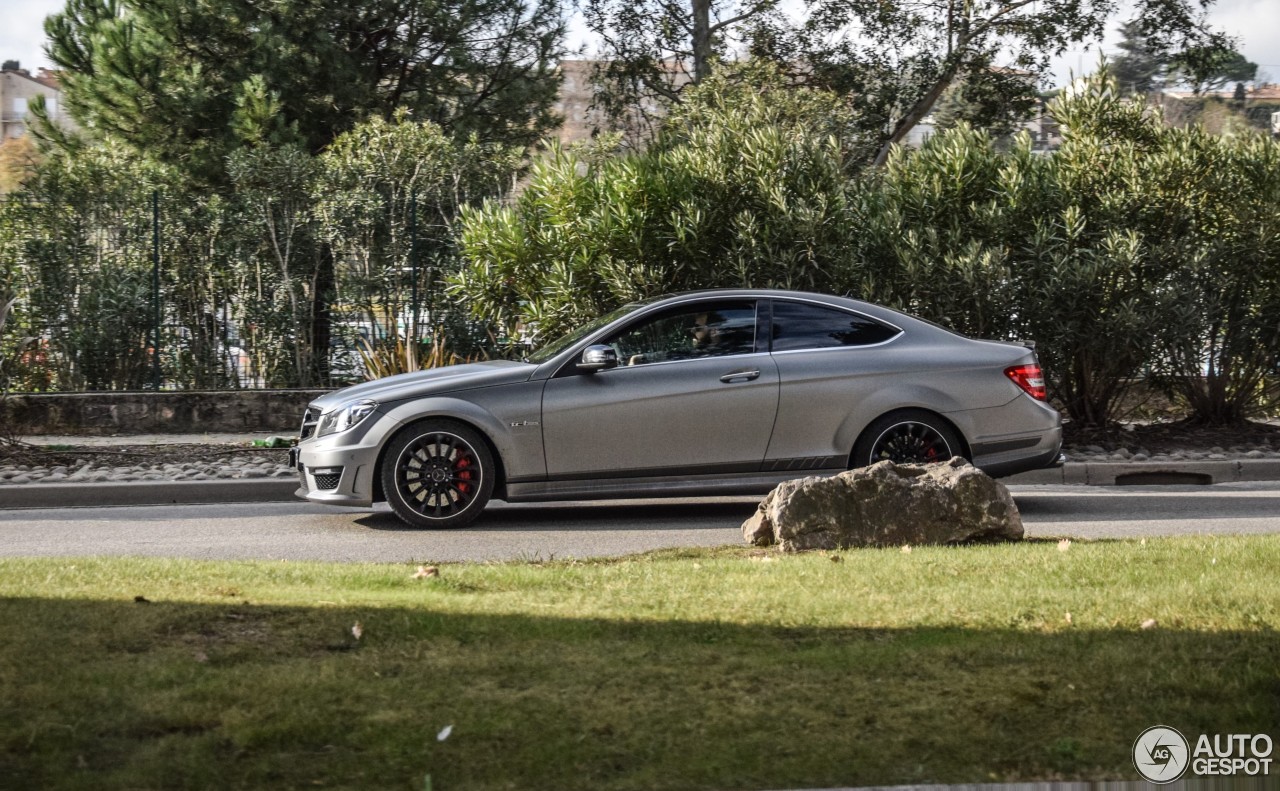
(321, 316)
(701, 39)
(918, 111)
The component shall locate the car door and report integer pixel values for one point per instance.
(829, 359)
(692, 394)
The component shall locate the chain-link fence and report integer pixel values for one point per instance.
(206, 292)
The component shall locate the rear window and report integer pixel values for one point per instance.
(798, 325)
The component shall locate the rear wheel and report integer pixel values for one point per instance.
(438, 473)
(912, 436)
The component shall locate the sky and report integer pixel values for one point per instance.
(1255, 23)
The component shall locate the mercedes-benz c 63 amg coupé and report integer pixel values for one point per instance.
(705, 393)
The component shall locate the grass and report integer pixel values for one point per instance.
(725, 669)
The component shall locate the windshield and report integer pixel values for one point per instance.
(560, 344)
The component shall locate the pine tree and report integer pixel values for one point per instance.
(189, 81)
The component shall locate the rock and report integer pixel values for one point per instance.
(886, 505)
(1255, 454)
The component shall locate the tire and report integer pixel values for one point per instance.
(438, 474)
(910, 436)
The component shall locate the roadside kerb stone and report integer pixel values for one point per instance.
(70, 495)
(1106, 473)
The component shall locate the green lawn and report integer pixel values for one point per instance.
(725, 669)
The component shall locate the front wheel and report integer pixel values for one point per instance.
(438, 473)
(911, 436)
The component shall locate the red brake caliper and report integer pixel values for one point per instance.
(463, 470)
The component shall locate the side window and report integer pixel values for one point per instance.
(798, 325)
(688, 332)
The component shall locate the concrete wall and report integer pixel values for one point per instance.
(102, 414)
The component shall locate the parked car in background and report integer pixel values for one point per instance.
(703, 393)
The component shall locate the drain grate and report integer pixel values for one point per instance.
(1158, 478)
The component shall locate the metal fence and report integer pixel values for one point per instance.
(179, 293)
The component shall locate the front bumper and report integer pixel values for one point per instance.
(335, 474)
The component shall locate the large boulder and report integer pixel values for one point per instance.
(887, 504)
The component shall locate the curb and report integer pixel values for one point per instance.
(71, 495)
(1122, 473)
(282, 490)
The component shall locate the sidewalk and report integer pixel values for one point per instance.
(229, 477)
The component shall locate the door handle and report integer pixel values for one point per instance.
(745, 375)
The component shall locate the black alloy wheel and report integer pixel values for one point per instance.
(907, 437)
(438, 474)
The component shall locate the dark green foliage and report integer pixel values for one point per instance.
(81, 258)
(387, 197)
(189, 81)
(1147, 62)
(997, 101)
(652, 51)
(920, 47)
(1140, 67)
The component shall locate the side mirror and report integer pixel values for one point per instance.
(598, 358)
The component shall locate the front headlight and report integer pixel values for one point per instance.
(345, 417)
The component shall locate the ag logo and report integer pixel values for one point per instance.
(1160, 754)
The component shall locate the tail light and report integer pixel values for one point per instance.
(1029, 378)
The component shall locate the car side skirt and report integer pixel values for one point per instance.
(655, 486)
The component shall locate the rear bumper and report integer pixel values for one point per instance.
(1022, 435)
(1001, 469)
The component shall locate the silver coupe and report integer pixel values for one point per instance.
(704, 393)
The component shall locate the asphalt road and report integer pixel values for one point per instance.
(301, 531)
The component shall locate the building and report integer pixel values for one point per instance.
(18, 89)
(577, 97)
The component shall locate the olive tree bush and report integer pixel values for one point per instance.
(82, 263)
(1134, 249)
(387, 195)
(747, 186)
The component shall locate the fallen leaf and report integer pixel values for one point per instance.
(444, 733)
(1064, 545)
(357, 630)
(1150, 623)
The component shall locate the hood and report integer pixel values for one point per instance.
(447, 379)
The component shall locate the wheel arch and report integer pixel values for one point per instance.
(967, 451)
(500, 471)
